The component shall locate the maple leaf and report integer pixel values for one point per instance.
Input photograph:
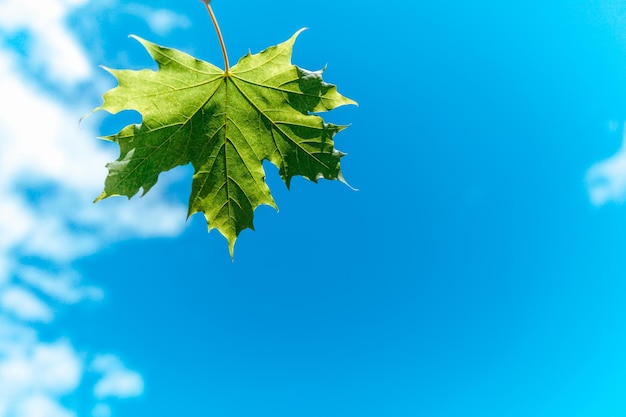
(225, 123)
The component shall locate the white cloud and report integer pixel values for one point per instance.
(54, 48)
(15, 222)
(50, 171)
(606, 180)
(41, 406)
(33, 375)
(64, 287)
(101, 410)
(117, 380)
(53, 368)
(161, 21)
(44, 151)
(24, 304)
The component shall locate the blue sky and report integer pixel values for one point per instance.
(480, 269)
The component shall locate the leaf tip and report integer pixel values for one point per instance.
(145, 43)
(102, 196)
(298, 32)
(231, 247)
(109, 70)
(343, 181)
(84, 116)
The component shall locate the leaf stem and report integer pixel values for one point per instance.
(219, 34)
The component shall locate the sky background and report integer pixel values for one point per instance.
(480, 270)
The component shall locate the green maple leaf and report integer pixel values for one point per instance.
(225, 123)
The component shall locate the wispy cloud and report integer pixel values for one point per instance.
(116, 381)
(33, 375)
(24, 305)
(54, 48)
(50, 171)
(160, 21)
(101, 410)
(64, 287)
(606, 180)
(41, 406)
